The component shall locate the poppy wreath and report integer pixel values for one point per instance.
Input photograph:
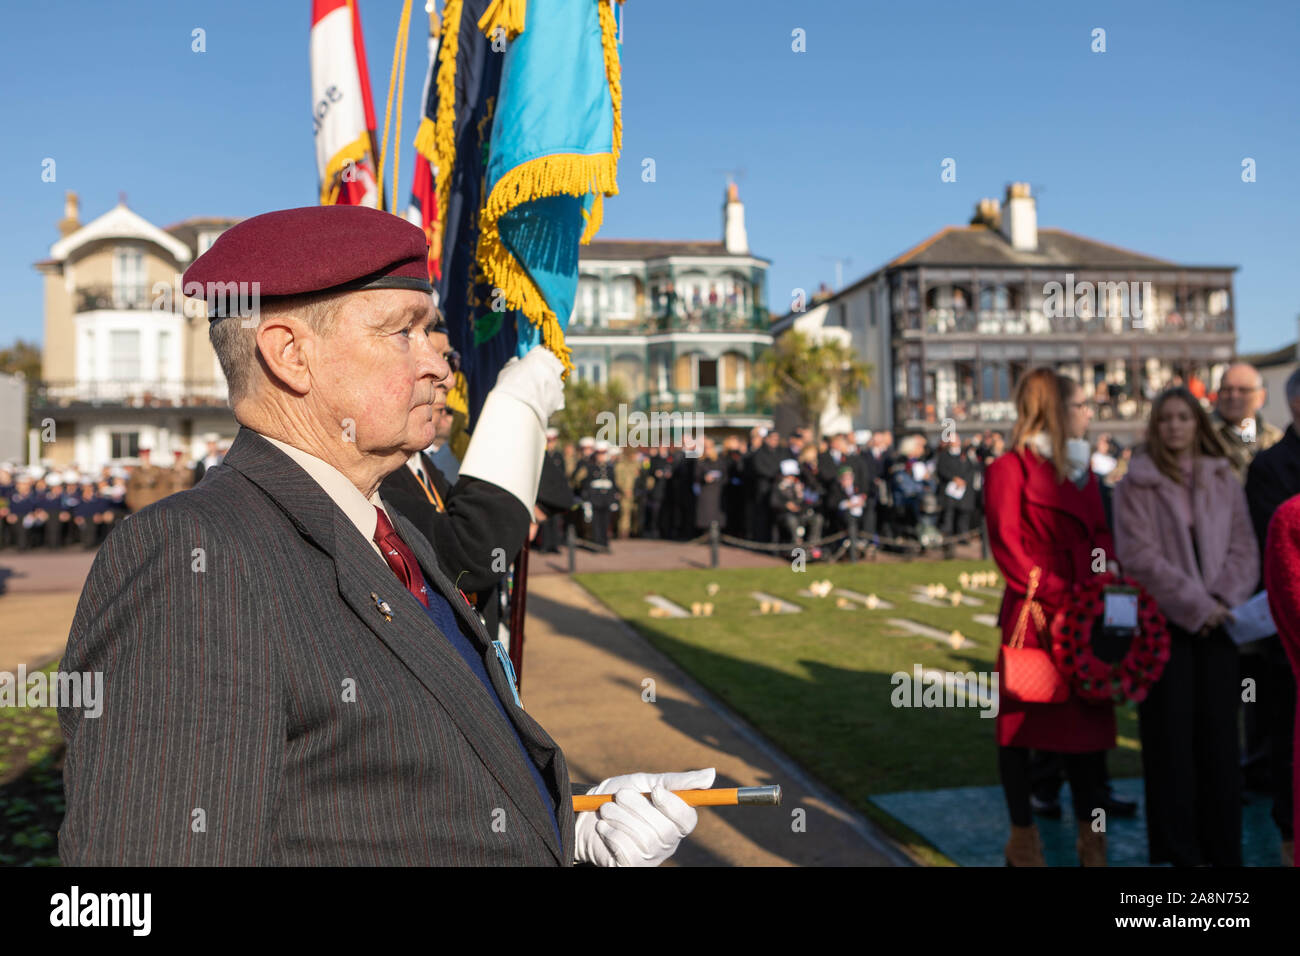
(1091, 677)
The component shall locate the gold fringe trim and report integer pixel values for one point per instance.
(507, 14)
(353, 152)
(613, 73)
(458, 394)
(443, 147)
(459, 436)
(426, 140)
(594, 219)
(562, 174)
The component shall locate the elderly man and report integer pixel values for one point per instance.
(440, 452)
(1236, 416)
(444, 419)
(292, 676)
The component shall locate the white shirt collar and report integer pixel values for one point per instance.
(359, 510)
(415, 464)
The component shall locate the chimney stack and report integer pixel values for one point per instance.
(733, 223)
(988, 212)
(1020, 218)
(70, 222)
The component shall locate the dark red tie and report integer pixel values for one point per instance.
(400, 558)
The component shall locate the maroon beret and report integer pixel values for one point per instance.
(312, 249)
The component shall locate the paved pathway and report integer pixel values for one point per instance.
(44, 571)
(583, 681)
(34, 628)
(38, 597)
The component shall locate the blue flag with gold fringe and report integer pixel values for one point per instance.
(525, 137)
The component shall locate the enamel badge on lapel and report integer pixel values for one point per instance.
(382, 606)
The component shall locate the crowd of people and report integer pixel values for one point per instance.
(53, 508)
(1184, 510)
(791, 489)
(1187, 513)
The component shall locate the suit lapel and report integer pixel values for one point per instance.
(409, 635)
(536, 741)
(436, 664)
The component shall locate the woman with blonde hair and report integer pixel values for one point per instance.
(1046, 529)
(1183, 530)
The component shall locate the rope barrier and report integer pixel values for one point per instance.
(901, 544)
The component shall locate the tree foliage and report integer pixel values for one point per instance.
(24, 357)
(810, 374)
(583, 401)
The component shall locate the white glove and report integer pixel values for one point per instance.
(633, 831)
(510, 434)
(535, 381)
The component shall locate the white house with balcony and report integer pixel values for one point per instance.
(678, 323)
(125, 364)
(951, 324)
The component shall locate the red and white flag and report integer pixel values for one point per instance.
(343, 113)
(423, 210)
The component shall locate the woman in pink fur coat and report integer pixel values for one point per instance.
(1183, 530)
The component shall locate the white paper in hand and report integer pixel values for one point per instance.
(953, 491)
(1251, 620)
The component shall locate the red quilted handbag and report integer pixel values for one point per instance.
(1029, 674)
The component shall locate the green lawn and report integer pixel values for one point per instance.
(818, 683)
(31, 784)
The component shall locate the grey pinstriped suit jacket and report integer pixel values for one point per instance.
(225, 738)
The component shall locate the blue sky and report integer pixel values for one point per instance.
(839, 147)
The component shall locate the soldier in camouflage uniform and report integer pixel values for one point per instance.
(627, 466)
(148, 483)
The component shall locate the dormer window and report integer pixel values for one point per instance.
(129, 290)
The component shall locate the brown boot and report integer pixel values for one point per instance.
(1024, 847)
(1090, 846)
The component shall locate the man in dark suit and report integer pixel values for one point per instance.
(557, 503)
(478, 548)
(765, 469)
(956, 479)
(294, 678)
(660, 470)
(829, 461)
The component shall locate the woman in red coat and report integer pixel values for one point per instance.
(1044, 512)
(1282, 581)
